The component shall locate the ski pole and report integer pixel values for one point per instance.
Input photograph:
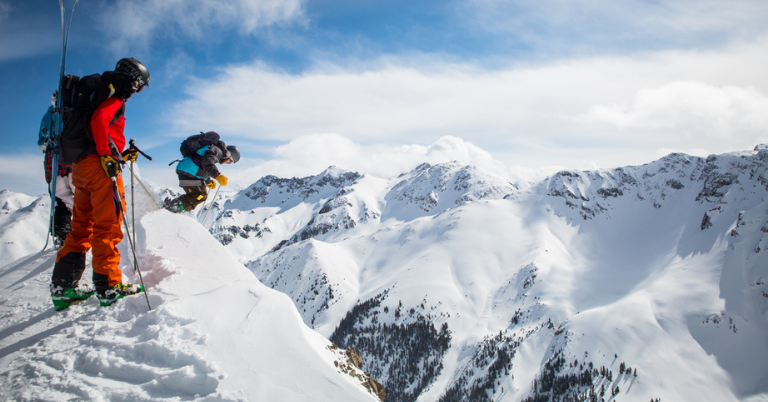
(132, 144)
(118, 201)
(133, 211)
(149, 194)
(211, 206)
(136, 262)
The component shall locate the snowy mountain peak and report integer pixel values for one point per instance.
(273, 191)
(333, 172)
(428, 190)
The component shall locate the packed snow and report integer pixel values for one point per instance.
(214, 333)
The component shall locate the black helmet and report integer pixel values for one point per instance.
(137, 70)
(233, 153)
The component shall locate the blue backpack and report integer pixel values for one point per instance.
(45, 136)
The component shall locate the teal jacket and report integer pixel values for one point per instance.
(203, 165)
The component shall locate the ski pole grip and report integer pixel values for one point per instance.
(132, 144)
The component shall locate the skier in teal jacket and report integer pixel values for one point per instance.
(197, 174)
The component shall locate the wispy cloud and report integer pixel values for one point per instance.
(5, 9)
(140, 22)
(625, 26)
(21, 37)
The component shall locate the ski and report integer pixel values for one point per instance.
(58, 116)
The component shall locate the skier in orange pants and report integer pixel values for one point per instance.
(96, 223)
(99, 194)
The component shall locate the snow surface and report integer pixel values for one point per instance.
(214, 332)
(663, 267)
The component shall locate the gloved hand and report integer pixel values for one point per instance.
(221, 179)
(111, 165)
(211, 184)
(130, 154)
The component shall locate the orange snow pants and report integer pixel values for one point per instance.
(95, 220)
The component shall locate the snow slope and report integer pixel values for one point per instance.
(214, 332)
(22, 220)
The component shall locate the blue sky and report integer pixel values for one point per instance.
(516, 86)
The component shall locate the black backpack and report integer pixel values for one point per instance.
(193, 143)
(80, 97)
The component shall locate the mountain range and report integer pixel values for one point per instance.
(452, 283)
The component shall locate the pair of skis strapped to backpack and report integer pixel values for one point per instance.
(55, 135)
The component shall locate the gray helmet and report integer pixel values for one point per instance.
(233, 153)
(136, 69)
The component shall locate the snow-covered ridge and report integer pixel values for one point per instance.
(275, 212)
(273, 191)
(214, 331)
(674, 176)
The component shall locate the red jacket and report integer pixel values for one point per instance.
(103, 128)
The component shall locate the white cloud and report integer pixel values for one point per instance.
(583, 113)
(311, 154)
(137, 22)
(693, 107)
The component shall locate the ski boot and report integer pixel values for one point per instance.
(110, 295)
(174, 206)
(63, 298)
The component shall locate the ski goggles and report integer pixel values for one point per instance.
(137, 86)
